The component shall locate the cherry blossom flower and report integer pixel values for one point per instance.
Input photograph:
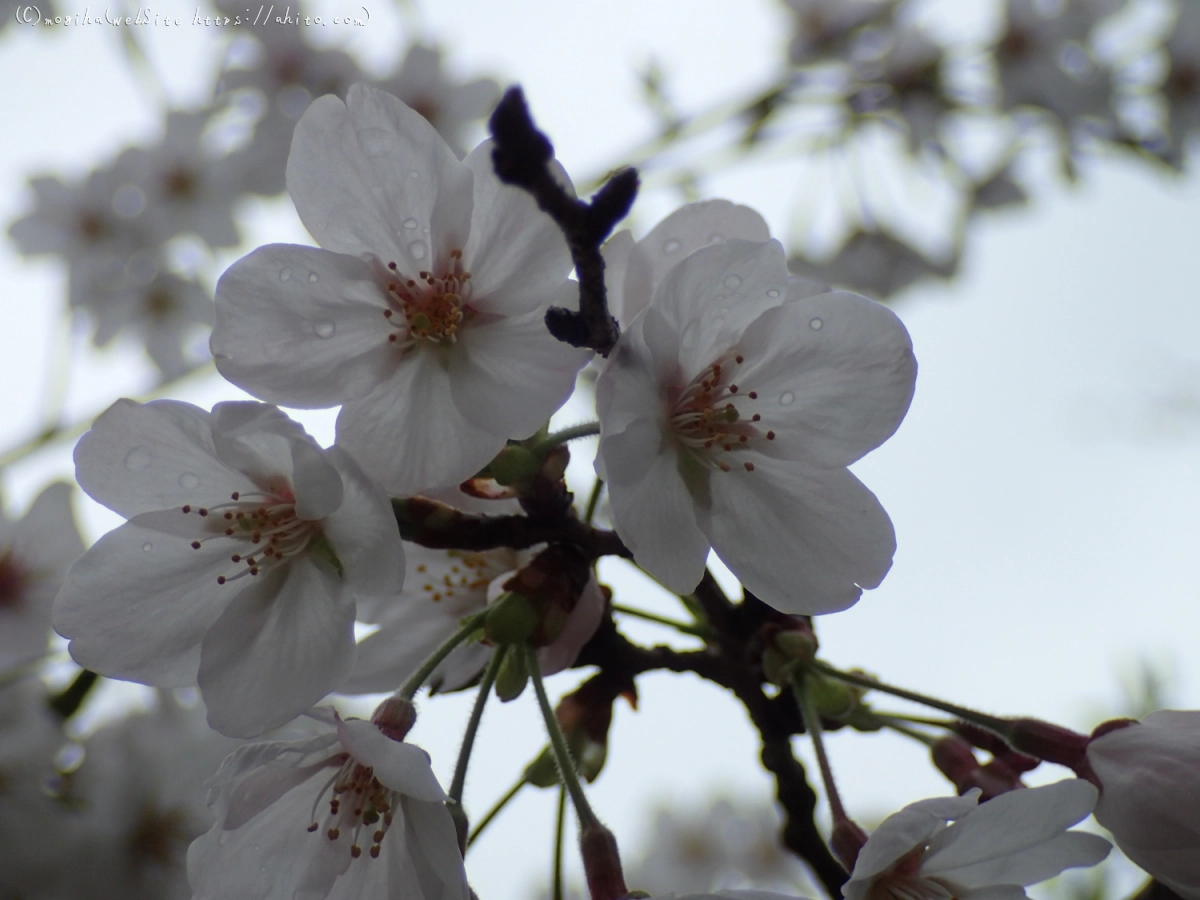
(1149, 775)
(35, 552)
(729, 412)
(350, 813)
(246, 549)
(992, 849)
(423, 315)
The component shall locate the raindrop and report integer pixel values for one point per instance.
(147, 547)
(417, 249)
(285, 274)
(816, 324)
(323, 328)
(715, 238)
(671, 246)
(410, 224)
(689, 336)
(137, 459)
(772, 293)
(413, 173)
(732, 281)
(786, 398)
(188, 481)
(313, 278)
(375, 141)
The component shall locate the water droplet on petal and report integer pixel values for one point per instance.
(147, 547)
(313, 277)
(772, 293)
(375, 141)
(323, 328)
(816, 324)
(689, 336)
(285, 274)
(137, 459)
(417, 249)
(410, 224)
(715, 238)
(786, 398)
(413, 173)
(732, 281)
(188, 481)
(671, 246)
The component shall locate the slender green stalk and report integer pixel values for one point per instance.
(593, 500)
(464, 753)
(812, 722)
(697, 630)
(992, 723)
(559, 833)
(584, 429)
(558, 743)
(496, 810)
(900, 727)
(419, 677)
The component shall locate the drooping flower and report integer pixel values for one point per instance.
(246, 549)
(423, 315)
(35, 551)
(993, 849)
(729, 412)
(351, 813)
(1149, 775)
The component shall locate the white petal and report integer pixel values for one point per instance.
(804, 540)
(364, 534)
(138, 603)
(302, 342)
(159, 455)
(830, 393)
(358, 172)
(710, 297)
(409, 435)
(517, 256)
(902, 831)
(257, 439)
(316, 482)
(277, 650)
(622, 264)
(581, 624)
(400, 766)
(1018, 838)
(652, 509)
(510, 375)
(252, 777)
(628, 389)
(47, 537)
(429, 867)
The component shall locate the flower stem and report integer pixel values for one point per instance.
(593, 500)
(812, 722)
(697, 630)
(1000, 726)
(468, 743)
(496, 810)
(559, 832)
(418, 678)
(584, 429)
(900, 727)
(558, 743)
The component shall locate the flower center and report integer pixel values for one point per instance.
(431, 307)
(711, 416)
(265, 523)
(358, 802)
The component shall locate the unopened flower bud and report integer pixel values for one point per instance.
(601, 863)
(514, 464)
(798, 644)
(512, 619)
(778, 668)
(512, 677)
(1053, 743)
(543, 771)
(395, 717)
(846, 841)
(833, 699)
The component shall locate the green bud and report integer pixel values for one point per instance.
(798, 645)
(514, 464)
(512, 619)
(512, 677)
(863, 718)
(777, 666)
(542, 772)
(833, 699)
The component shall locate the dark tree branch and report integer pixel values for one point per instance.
(522, 156)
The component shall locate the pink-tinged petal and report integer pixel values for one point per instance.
(652, 509)
(517, 256)
(137, 605)
(256, 439)
(833, 374)
(316, 482)
(1018, 838)
(159, 455)
(680, 234)
(302, 327)
(428, 866)
(710, 298)
(279, 648)
(254, 776)
(409, 435)
(902, 831)
(804, 540)
(581, 624)
(509, 376)
(373, 177)
(364, 534)
(400, 766)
